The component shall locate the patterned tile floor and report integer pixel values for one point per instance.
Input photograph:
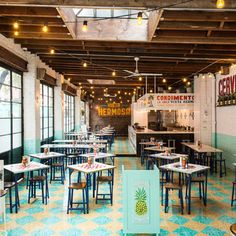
(122, 146)
(103, 220)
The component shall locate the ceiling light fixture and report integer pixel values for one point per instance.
(140, 18)
(52, 51)
(184, 80)
(68, 79)
(140, 78)
(16, 25)
(169, 88)
(164, 81)
(45, 28)
(85, 26)
(220, 4)
(189, 83)
(85, 64)
(16, 33)
(113, 73)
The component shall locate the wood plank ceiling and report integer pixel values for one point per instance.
(186, 42)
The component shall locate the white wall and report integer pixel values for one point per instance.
(203, 103)
(185, 117)
(138, 116)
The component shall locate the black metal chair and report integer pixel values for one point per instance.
(233, 193)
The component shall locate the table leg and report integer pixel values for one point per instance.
(205, 192)
(87, 192)
(221, 165)
(189, 194)
(94, 184)
(16, 193)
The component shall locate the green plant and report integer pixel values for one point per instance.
(141, 204)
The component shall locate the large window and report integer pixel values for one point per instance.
(11, 115)
(46, 112)
(69, 114)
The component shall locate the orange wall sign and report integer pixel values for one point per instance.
(114, 109)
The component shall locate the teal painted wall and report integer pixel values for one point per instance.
(31, 146)
(228, 144)
(58, 134)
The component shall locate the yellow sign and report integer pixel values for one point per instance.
(114, 109)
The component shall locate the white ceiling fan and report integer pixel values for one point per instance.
(136, 72)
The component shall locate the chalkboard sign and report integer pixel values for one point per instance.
(141, 201)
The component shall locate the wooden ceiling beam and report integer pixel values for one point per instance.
(194, 15)
(40, 35)
(13, 11)
(121, 3)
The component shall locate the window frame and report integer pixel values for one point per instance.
(69, 108)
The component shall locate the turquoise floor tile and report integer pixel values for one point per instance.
(178, 220)
(103, 210)
(102, 220)
(228, 219)
(43, 232)
(50, 220)
(25, 220)
(71, 232)
(202, 220)
(211, 231)
(184, 231)
(100, 231)
(34, 210)
(76, 220)
(16, 232)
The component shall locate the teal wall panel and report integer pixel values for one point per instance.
(58, 134)
(31, 146)
(228, 144)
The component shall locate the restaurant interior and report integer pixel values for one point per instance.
(117, 117)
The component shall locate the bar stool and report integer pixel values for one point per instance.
(201, 182)
(183, 146)
(42, 182)
(173, 186)
(233, 229)
(57, 164)
(171, 144)
(105, 179)
(221, 161)
(9, 186)
(84, 202)
(233, 193)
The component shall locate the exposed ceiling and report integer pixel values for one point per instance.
(188, 38)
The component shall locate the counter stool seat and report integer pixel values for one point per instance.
(105, 196)
(201, 181)
(233, 229)
(54, 167)
(71, 203)
(41, 182)
(173, 186)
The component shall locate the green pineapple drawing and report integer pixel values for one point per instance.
(141, 204)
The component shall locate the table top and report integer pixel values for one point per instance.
(76, 134)
(68, 145)
(203, 149)
(172, 156)
(80, 141)
(149, 143)
(87, 169)
(19, 168)
(159, 149)
(192, 168)
(44, 156)
(104, 134)
(98, 155)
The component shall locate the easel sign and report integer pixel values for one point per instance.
(141, 201)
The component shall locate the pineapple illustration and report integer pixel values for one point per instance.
(141, 204)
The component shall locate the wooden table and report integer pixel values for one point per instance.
(189, 171)
(81, 141)
(168, 157)
(88, 170)
(44, 157)
(18, 168)
(159, 149)
(202, 153)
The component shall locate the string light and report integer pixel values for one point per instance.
(220, 4)
(164, 81)
(69, 79)
(140, 78)
(113, 73)
(16, 25)
(52, 51)
(118, 92)
(85, 26)
(189, 83)
(184, 80)
(140, 18)
(125, 93)
(169, 88)
(16, 33)
(45, 28)
(85, 64)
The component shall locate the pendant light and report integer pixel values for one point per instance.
(140, 18)
(85, 26)
(220, 4)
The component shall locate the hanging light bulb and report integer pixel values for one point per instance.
(113, 73)
(184, 80)
(52, 51)
(68, 79)
(140, 78)
(16, 33)
(140, 18)
(169, 88)
(85, 26)
(45, 28)
(164, 81)
(85, 64)
(16, 25)
(189, 83)
(220, 4)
